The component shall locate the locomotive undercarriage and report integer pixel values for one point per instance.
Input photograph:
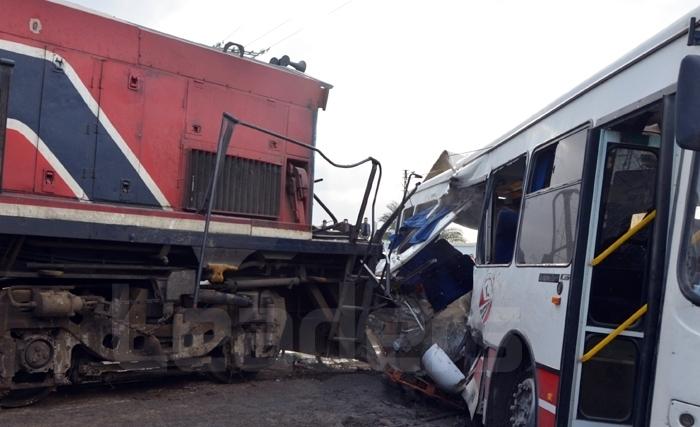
(114, 313)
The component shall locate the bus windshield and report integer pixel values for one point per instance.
(690, 255)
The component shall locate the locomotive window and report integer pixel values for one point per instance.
(550, 212)
(501, 219)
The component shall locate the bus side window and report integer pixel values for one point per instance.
(503, 212)
(550, 209)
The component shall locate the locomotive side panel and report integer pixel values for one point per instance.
(119, 125)
(111, 141)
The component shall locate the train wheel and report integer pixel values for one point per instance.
(23, 397)
(227, 376)
(230, 376)
(222, 371)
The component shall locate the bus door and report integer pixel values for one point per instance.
(616, 274)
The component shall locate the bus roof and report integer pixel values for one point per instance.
(671, 33)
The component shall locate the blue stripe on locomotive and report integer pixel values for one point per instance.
(43, 98)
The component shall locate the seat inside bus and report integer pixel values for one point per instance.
(504, 212)
(506, 230)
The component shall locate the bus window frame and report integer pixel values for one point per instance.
(488, 197)
(584, 127)
(681, 271)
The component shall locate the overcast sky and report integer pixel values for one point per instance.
(413, 78)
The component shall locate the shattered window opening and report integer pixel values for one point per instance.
(501, 220)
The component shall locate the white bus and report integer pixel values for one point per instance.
(585, 307)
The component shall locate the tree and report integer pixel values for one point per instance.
(383, 218)
(453, 235)
(391, 207)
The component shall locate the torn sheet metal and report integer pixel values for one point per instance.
(457, 195)
(459, 205)
(429, 282)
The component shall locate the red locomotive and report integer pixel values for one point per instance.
(107, 157)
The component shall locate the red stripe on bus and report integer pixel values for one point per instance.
(548, 385)
(545, 418)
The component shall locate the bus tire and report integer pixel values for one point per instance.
(516, 405)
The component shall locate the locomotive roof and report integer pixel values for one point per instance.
(291, 73)
(115, 18)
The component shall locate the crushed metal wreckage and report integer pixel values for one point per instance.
(420, 338)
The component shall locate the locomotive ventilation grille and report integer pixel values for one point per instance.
(246, 187)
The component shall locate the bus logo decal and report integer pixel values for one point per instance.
(486, 300)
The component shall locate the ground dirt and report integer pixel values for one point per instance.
(294, 392)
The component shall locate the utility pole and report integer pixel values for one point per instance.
(404, 190)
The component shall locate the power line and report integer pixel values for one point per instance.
(340, 7)
(228, 36)
(285, 38)
(231, 33)
(270, 31)
(303, 27)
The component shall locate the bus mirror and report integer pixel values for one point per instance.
(688, 104)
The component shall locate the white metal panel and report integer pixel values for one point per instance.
(520, 302)
(474, 171)
(432, 189)
(679, 409)
(678, 357)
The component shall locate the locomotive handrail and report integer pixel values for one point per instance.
(614, 334)
(310, 147)
(375, 165)
(227, 127)
(227, 124)
(624, 238)
(325, 208)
